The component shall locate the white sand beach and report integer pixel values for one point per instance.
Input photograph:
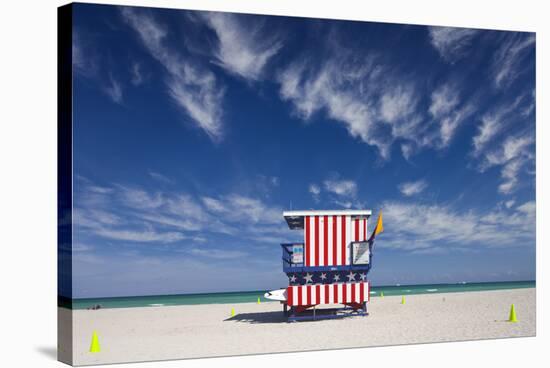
(192, 331)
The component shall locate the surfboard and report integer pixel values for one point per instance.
(279, 294)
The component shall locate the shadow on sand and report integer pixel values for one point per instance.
(259, 317)
(279, 317)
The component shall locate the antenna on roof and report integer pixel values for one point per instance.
(291, 204)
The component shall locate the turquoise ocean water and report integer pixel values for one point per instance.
(252, 296)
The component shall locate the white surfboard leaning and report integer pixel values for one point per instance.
(279, 294)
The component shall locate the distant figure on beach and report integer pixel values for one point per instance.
(94, 307)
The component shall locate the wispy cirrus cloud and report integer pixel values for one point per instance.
(89, 63)
(449, 111)
(451, 43)
(411, 188)
(494, 121)
(436, 126)
(527, 111)
(84, 61)
(508, 60)
(336, 88)
(160, 177)
(218, 253)
(444, 100)
(243, 208)
(423, 227)
(375, 104)
(114, 90)
(504, 140)
(244, 46)
(529, 208)
(140, 236)
(315, 191)
(194, 88)
(400, 111)
(489, 128)
(512, 156)
(397, 104)
(342, 188)
(133, 214)
(337, 191)
(137, 74)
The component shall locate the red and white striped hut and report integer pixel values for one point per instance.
(330, 265)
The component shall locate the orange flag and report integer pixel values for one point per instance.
(379, 227)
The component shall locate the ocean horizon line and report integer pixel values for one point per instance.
(264, 290)
(253, 295)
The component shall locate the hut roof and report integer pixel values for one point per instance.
(295, 219)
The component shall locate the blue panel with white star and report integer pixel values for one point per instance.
(329, 277)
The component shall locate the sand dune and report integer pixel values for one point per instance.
(164, 332)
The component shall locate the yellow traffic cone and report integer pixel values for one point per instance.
(232, 312)
(94, 347)
(258, 300)
(403, 300)
(512, 317)
(382, 294)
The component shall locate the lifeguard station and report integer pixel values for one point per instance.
(330, 266)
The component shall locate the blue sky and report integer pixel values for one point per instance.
(193, 131)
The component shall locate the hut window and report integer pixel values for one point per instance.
(297, 253)
(361, 253)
